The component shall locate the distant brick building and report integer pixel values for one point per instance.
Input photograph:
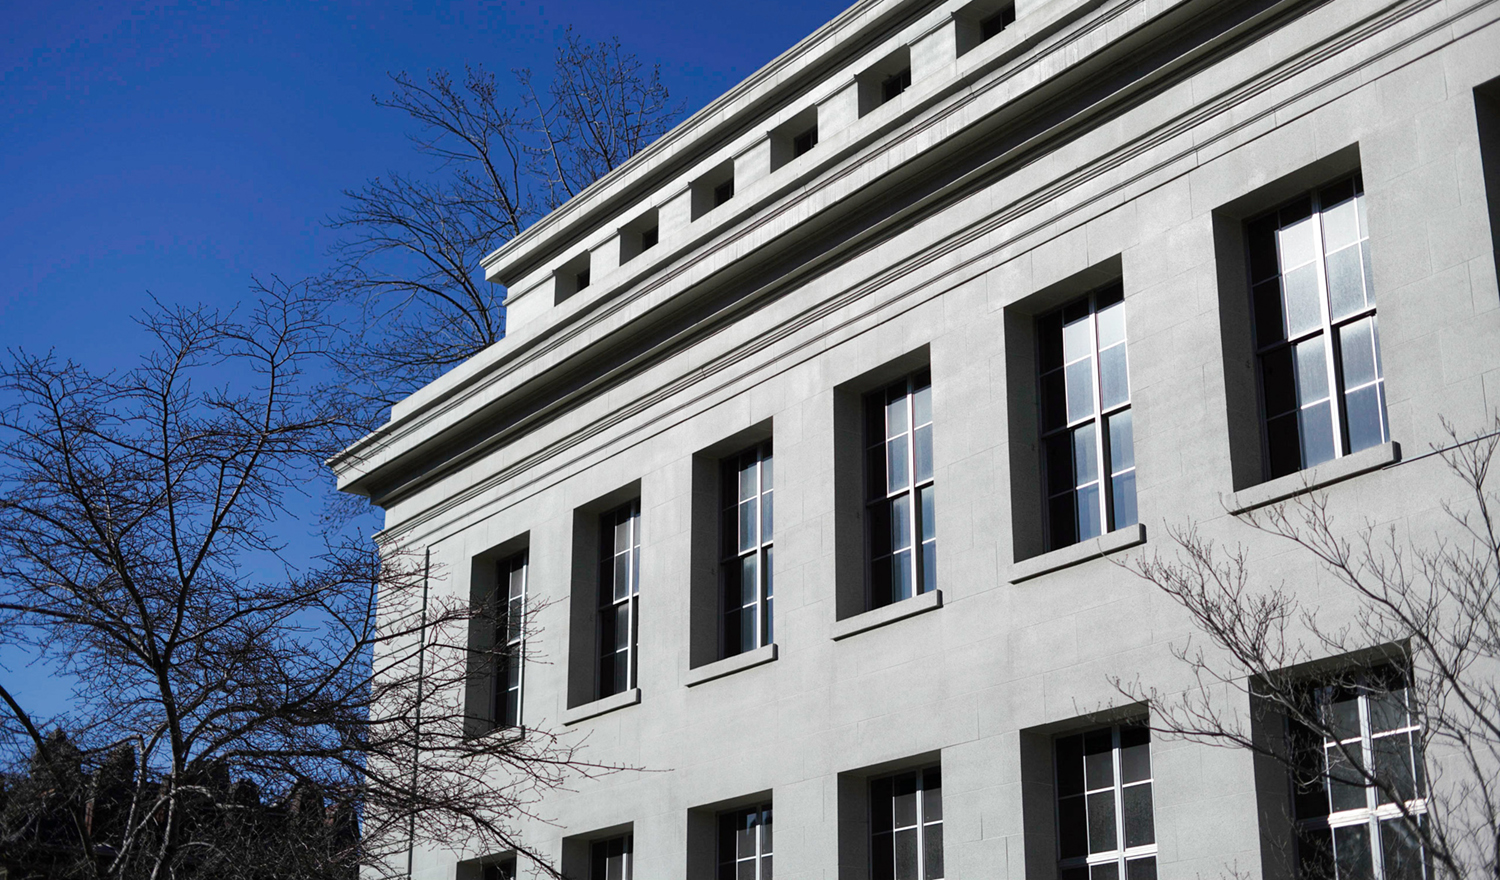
(927, 316)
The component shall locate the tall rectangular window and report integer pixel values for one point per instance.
(611, 859)
(745, 844)
(1358, 783)
(1316, 339)
(906, 826)
(619, 597)
(746, 534)
(1087, 438)
(1105, 826)
(900, 496)
(510, 595)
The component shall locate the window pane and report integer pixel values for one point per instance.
(1062, 522)
(1270, 325)
(895, 412)
(765, 516)
(1278, 382)
(1076, 341)
(922, 440)
(1102, 836)
(904, 799)
(1393, 767)
(932, 852)
(883, 858)
(932, 794)
(1312, 371)
(921, 403)
(1357, 352)
(1121, 442)
(1340, 221)
(1317, 434)
(1106, 871)
(1049, 342)
(1346, 780)
(929, 566)
(1098, 758)
(880, 805)
(1124, 512)
(1298, 243)
(1139, 826)
(1114, 379)
(1262, 236)
(901, 521)
(901, 576)
(1111, 324)
(1072, 830)
(1388, 710)
(1089, 523)
(749, 519)
(906, 854)
(928, 525)
(1054, 401)
(1343, 713)
(1315, 855)
(896, 473)
(1300, 291)
(1141, 869)
(1346, 287)
(1135, 753)
(1069, 765)
(1402, 847)
(1364, 418)
(1351, 850)
(1284, 447)
(1085, 455)
(1080, 389)
(1364, 256)
(880, 528)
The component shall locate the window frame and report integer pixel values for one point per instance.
(609, 602)
(921, 549)
(922, 825)
(726, 824)
(732, 553)
(1123, 854)
(1099, 416)
(1328, 328)
(1375, 814)
(510, 638)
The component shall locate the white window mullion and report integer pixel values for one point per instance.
(1325, 310)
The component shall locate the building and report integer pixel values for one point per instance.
(1028, 283)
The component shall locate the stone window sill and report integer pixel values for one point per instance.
(1074, 554)
(601, 706)
(1314, 478)
(918, 604)
(730, 665)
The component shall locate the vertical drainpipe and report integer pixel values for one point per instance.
(416, 748)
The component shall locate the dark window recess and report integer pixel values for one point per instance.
(610, 859)
(745, 844)
(1316, 336)
(998, 22)
(895, 84)
(804, 142)
(509, 632)
(505, 870)
(723, 192)
(619, 598)
(747, 552)
(1105, 824)
(906, 826)
(649, 237)
(581, 280)
(900, 496)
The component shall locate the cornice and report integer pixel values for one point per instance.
(702, 386)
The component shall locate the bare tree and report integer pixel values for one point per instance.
(240, 711)
(411, 256)
(1384, 717)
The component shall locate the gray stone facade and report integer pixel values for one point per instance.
(1090, 141)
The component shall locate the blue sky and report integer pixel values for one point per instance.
(175, 149)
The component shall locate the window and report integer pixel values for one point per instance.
(581, 280)
(509, 637)
(1354, 823)
(900, 497)
(649, 237)
(1085, 419)
(805, 141)
(610, 859)
(723, 192)
(892, 86)
(501, 870)
(619, 597)
(1105, 827)
(906, 826)
(745, 844)
(745, 533)
(1316, 339)
(997, 22)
